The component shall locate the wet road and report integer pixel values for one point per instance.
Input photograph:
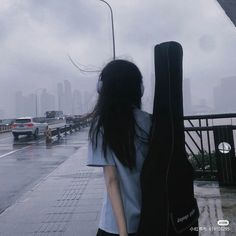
(25, 162)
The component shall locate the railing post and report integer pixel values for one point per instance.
(58, 133)
(65, 130)
(48, 135)
(225, 155)
(70, 129)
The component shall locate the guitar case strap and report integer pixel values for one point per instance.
(168, 203)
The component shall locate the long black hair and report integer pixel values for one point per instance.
(113, 114)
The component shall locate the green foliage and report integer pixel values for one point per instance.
(204, 165)
(205, 161)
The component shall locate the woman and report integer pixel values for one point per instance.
(119, 135)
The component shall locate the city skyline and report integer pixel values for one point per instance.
(37, 38)
(70, 101)
(79, 102)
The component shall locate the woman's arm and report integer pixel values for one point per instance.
(113, 189)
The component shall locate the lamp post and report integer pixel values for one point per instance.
(112, 27)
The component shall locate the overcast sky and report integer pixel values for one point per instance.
(36, 37)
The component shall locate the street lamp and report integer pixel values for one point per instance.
(113, 43)
(112, 27)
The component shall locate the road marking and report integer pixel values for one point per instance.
(5, 145)
(9, 153)
(64, 146)
(1, 139)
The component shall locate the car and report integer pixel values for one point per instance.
(28, 126)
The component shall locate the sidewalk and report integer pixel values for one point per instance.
(215, 204)
(68, 202)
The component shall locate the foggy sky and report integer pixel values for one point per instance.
(37, 36)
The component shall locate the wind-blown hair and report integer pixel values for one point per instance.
(113, 115)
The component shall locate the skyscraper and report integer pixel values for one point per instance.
(30, 105)
(47, 102)
(60, 97)
(89, 100)
(187, 97)
(218, 100)
(68, 97)
(77, 103)
(225, 95)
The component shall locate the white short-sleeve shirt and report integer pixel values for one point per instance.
(129, 180)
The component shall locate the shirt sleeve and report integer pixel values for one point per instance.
(96, 157)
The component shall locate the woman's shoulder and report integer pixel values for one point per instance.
(143, 118)
(142, 114)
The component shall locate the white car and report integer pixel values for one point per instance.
(28, 126)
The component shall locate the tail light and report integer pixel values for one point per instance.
(29, 125)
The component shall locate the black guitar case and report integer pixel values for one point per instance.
(168, 203)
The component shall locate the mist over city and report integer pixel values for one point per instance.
(123, 169)
(38, 37)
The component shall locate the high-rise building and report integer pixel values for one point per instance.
(89, 100)
(187, 97)
(77, 103)
(60, 97)
(225, 95)
(30, 105)
(68, 98)
(201, 107)
(47, 102)
(218, 101)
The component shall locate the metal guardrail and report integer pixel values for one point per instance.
(75, 125)
(5, 128)
(200, 142)
(199, 139)
(201, 149)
